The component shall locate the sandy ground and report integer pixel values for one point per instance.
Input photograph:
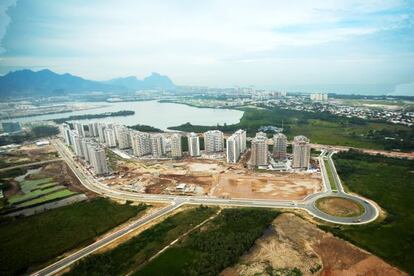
(292, 242)
(267, 186)
(213, 177)
(339, 207)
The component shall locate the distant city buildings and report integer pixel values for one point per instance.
(301, 152)
(11, 127)
(279, 146)
(259, 150)
(193, 144)
(213, 141)
(321, 97)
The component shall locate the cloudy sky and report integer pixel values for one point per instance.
(327, 44)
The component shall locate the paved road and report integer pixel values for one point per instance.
(31, 164)
(307, 204)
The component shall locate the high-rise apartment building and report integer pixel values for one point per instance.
(193, 144)
(233, 148)
(301, 152)
(259, 151)
(77, 146)
(110, 138)
(79, 128)
(176, 149)
(101, 132)
(279, 146)
(241, 134)
(141, 143)
(98, 159)
(123, 137)
(157, 145)
(213, 141)
(66, 133)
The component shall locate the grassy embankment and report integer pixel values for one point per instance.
(390, 183)
(330, 176)
(130, 255)
(31, 241)
(217, 245)
(322, 128)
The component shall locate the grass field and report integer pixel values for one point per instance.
(217, 245)
(330, 176)
(390, 183)
(130, 255)
(31, 241)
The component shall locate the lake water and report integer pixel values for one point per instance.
(152, 113)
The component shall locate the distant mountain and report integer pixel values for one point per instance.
(24, 83)
(155, 81)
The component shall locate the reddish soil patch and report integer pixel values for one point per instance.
(340, 207)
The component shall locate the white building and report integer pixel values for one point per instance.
(279, 146)
(93, 129)
(241, 134)
(259, 151)
(65, 131)
(233, 148)
(123, 137)
(141, 143)
(157, 145)
(77, 146)
(213, 141)
(79, 128)
(101, 132)
(176, 149)
(98, 159)
(110, 138)
(193, 144)
(301, 152)
(320, 97)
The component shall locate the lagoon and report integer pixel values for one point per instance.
(152, 113)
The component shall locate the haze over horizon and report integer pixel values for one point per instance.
(336, 46)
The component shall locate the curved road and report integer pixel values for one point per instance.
(308, 204)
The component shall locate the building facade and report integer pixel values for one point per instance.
(98, 159)
(259, 151)
(233, 148)
(301, 152)
(110, 138)
(213, 141)
(157, 145)
(193, 144)
(279, 146)
(141, 143)
(176, 149)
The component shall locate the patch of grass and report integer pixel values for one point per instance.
(30, 241)
(134, 252)
(390, 183)
(28, 185)
(217, 245)
(49, 197)
(331, 179)
(34, 194)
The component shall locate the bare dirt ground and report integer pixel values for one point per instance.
(29, 154)
(267, 186)
(293, 242)
(339, 207)
(213, 177)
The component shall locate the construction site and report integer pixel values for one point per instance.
(195, 176)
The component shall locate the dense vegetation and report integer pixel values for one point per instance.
(320, 127)
(145, 128)
(214, 247)
(390, 183)
(35, 132)
(133, 253)
(30, 241)
(94, 116)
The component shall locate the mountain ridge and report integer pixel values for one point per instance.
(45, 82)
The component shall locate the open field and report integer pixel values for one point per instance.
(212, 177)
(27, 154)
(339, 207)
(44, 184)
(296, 246)
(390, 183)
(214, 246)
(27, 242)
(130, 255)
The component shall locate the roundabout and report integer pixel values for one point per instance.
(339, 206)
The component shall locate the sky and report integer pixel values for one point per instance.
(327, 45)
